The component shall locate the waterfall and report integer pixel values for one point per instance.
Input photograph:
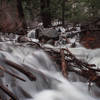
(50, 84)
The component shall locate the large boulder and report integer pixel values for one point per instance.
(48, 33)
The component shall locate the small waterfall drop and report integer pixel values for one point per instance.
(50, 84)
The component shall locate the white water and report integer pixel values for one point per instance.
(50, 84)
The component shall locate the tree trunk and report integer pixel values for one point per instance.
(63, 13)
(30, 10)
(3, 4)
(45, 13)
(21, 17)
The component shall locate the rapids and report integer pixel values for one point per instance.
(50, 84)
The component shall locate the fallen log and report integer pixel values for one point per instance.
(21, 69)
(76, 65)
(8, 92)
(79, 62)
(3, 69)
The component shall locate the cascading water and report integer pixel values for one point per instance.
(50, 84)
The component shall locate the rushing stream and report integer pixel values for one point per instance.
(50, 84)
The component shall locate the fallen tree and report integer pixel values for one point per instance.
(70, 63)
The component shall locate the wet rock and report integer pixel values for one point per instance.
(51, 41)
(22, 39)
(73, 45)
(37, 32)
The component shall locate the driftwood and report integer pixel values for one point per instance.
(21, 69)
(8, 92)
